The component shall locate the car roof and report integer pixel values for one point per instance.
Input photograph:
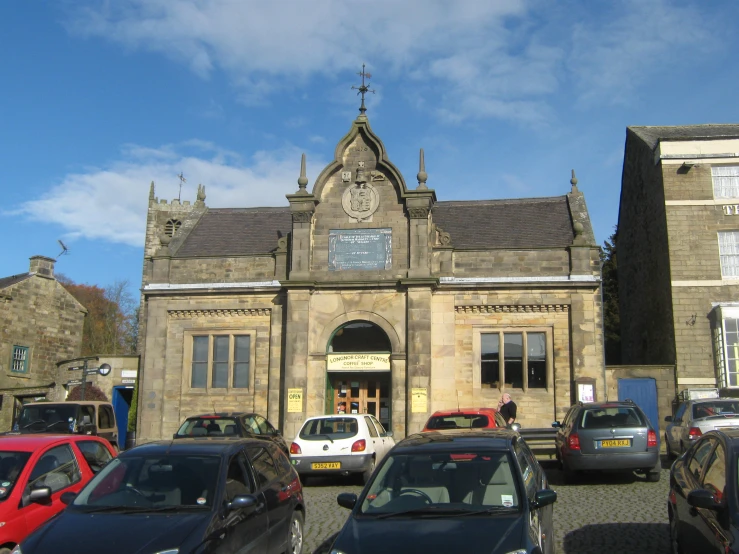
(609, 404)
(464, 411)
(66, 403)
(712, 400)
(343, 416)
(452, 439)
(222, 446)
(30, 443)
(224, 414)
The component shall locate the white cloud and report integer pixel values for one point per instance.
(110, 203)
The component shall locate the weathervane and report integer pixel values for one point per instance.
(182, 179)
(364, 88)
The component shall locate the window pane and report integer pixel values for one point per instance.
(20, 359)
(199, 362)
(536, 347)
(220, 361)
(241, 361)
(490, 360)
(513, 368)
(725, 181)
(728, 247)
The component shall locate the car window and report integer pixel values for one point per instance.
(95, 454)
(103, 418)
(336, 427)
(52, 417)
(380, 428)
(708, 409)
(605, 417)
(569, 417)
(252, 426)
(528, 470)
(87, 415)
(370, 427)
(680, 412)
(715, 477)
(500, 420)
(698, 458)
(237, 482)
(458, 421)
(283, 463)
(262, 424)
(265, 470)
(211, 426)
(11, 465)
(57, 469)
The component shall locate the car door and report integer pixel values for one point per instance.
(689, 480)
(387, 440)
(374, 439)
(713, 534)
(531, 477)
(563, 430)
(271, 488)
(676, 430)
(56, 468)
(245, 530)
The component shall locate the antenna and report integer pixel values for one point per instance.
(182, 179)
(65, 250)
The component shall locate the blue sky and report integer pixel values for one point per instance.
(100, 98)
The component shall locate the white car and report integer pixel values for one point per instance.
(340, 444)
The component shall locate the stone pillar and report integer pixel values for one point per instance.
(151, 388)
(302, 207)
(276, 344)
(419, 353)
(419, 208)
(296, 355)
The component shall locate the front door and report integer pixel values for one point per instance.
(355, 395)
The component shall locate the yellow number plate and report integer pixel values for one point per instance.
(617, 442)
(326, 465)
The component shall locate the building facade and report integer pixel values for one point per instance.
(678, 252)
(40, 324)
(364, 295)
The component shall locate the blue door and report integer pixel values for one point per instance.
(644, 393)
(121, 407)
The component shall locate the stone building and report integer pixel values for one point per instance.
(40, 324)
(678, 252)
(364, 295)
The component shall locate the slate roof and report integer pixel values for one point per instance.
(13, 279)
(519, 223)
(652, 135)
(236, 232)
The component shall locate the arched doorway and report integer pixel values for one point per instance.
(358, 371)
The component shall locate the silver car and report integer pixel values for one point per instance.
(696, 417)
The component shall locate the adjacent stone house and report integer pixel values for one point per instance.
(678, 252)
(40, 324)
(362, 294)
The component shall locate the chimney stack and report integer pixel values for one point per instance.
(42, 266)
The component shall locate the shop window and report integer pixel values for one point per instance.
(514, 359)
(19, 361)
(220, 361)
(728, 249)
(725, 181)
(725, 332)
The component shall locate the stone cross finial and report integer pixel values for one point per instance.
(573, 182)
(151, 192)
(422, 176)
(303, 179)
(363, 88)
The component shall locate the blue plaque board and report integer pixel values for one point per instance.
(362, 249)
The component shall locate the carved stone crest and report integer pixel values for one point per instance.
(360, 200)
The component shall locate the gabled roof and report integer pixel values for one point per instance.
(13, 279)
(652, 135)
(518, 223)
(236, 232)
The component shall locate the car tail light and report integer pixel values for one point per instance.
(573, 442)
(651, 439)
(694, 433)
(359, 446)
(295, 448)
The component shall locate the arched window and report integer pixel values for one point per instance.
(359, 336)
(171, 227)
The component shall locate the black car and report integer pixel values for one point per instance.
(442, 491)
(239, 424)
(613, 436)
(187, 496)
(702, 504)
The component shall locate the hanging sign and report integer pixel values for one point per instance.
(358, 362)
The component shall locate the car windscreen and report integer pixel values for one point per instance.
(716, 408)
(41, 418)
(458, 421)
(11, 465)
(473, 480)
(208, 426)
(329, 427)
(618, 416)
(152, 482)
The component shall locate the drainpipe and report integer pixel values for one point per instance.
(603, 332)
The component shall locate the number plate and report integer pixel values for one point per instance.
(615, 443)
(326, 465)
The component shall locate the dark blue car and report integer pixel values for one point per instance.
(481, 490)
(185, 496)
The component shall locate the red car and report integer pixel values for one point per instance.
(465, 418)
(34, 472)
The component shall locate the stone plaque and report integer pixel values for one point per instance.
(359, 249)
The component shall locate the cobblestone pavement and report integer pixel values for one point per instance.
(600, 514)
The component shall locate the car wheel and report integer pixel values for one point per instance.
(653, 476)
(295, 534)
(674, 543)
(366, 474)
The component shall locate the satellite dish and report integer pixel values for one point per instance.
(104, 369)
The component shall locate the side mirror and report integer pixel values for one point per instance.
(40, 494)
(240, 502)
(388, 434)
(556, 424)
(68, 497)
(668, 419)
(542, 498)
(347, 500)
(174, 436)
(702, 498)
(276, 432)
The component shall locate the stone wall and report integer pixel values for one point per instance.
(511, 263)
(222, 270)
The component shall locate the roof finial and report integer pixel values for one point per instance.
(302, 180)
(422, 176)
(151, 193)
(363, 88)
(200, 198)
(573, 182)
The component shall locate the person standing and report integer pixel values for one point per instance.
(507, 408)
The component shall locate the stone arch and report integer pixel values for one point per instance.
(360, 315)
